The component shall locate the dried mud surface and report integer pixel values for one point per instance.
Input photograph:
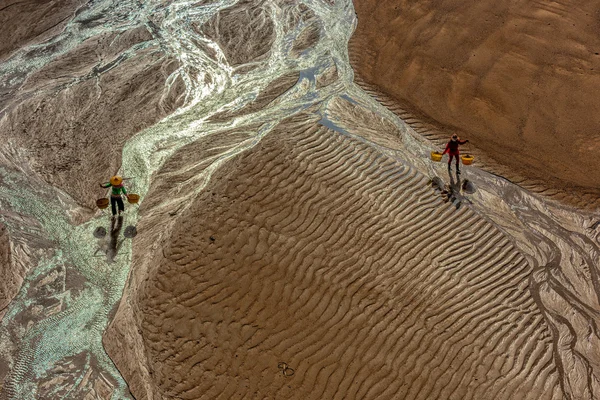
(519, 79)
(319, 251)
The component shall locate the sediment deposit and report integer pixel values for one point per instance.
(319, 251)
(519, 79)
(293, 238)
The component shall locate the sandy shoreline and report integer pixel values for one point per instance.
(519, 80)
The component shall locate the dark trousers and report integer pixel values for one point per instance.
(450, 157)
(114, 200)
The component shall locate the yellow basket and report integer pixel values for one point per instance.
(133, 198)
(467, 159)
(436, 156)
(102, 203)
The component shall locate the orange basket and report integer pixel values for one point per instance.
(467, 159)
(133, 198)
(102, 203)
(436, 156)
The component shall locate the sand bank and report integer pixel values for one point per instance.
(520, 80)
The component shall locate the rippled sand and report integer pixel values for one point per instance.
(317, 250)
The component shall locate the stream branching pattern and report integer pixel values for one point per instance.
(561, 243)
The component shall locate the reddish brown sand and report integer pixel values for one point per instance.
(519, 79)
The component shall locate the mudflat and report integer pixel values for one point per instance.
(520, 79)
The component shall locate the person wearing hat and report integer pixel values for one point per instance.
(115, 197)
(452, 150)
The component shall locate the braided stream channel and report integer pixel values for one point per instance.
(235, 73)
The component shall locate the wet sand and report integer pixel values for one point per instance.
(520, 80)
(65, 115)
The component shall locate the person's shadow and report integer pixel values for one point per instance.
(112, 245)
(455, 195)
(454, 187)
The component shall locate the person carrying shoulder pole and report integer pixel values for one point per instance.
(115, 197)
(452, 150)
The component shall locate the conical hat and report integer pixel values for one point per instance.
(116, 180)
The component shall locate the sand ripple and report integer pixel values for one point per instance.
(317, 250)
